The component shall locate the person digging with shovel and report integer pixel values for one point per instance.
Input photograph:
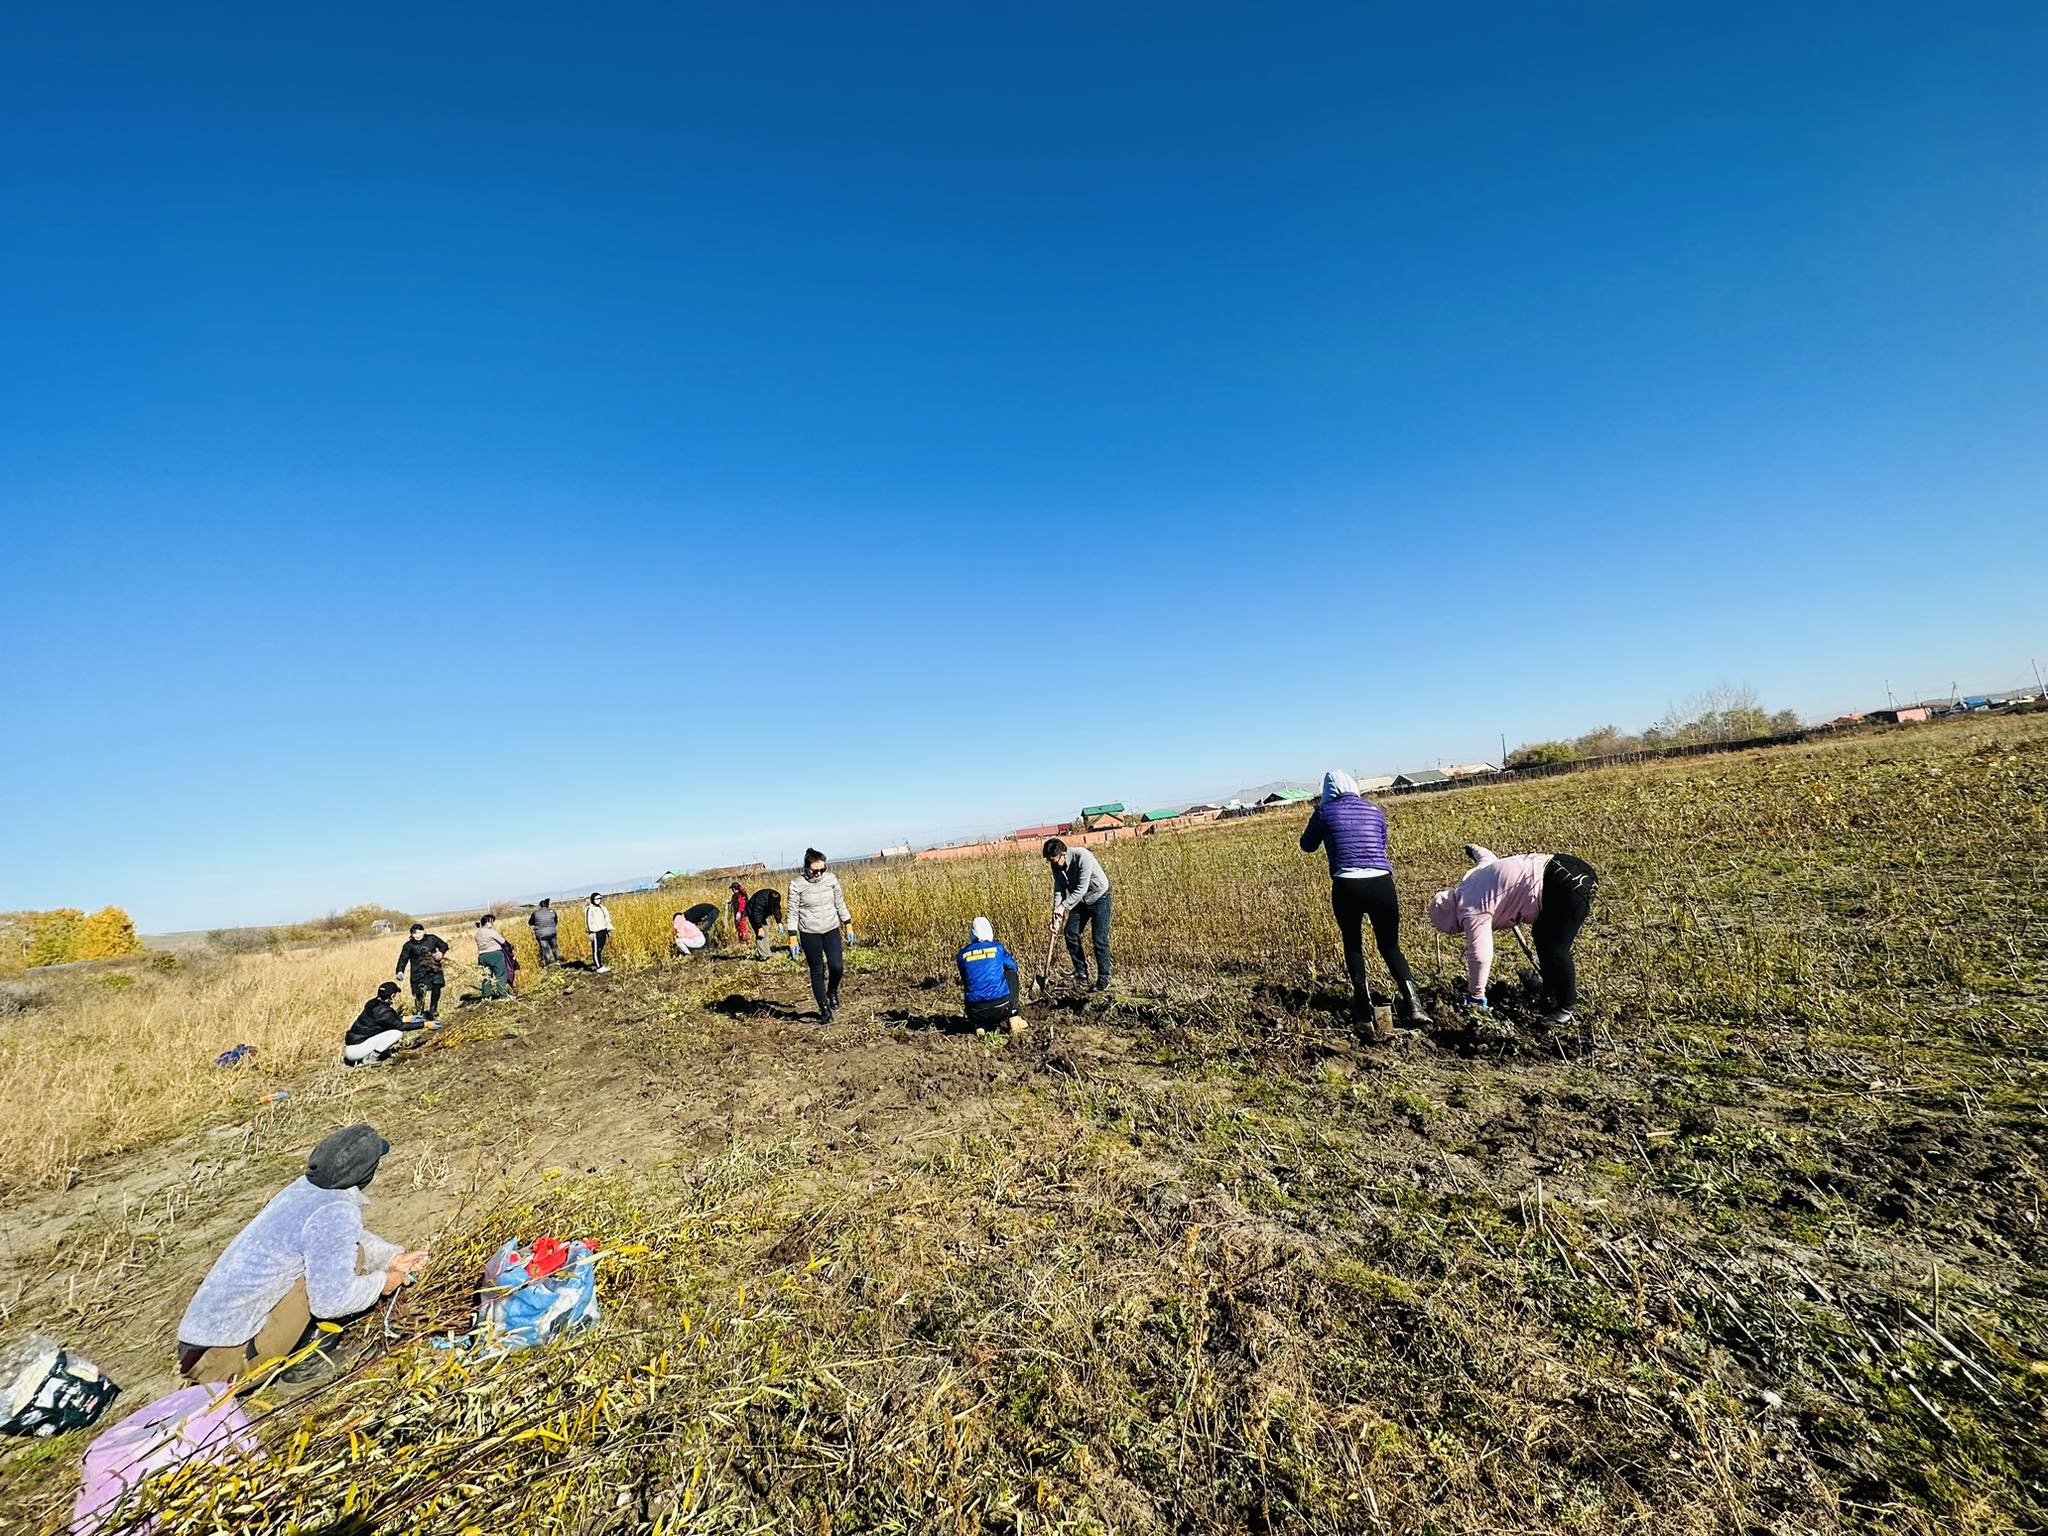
(1352, 833)
(1552, 892)
(1080, 898)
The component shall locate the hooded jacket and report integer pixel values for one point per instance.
(1497, 894)
(985, 965)
(1350, 830)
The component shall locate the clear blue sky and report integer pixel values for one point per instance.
(450, 453)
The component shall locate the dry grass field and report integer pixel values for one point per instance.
(1766, 1256)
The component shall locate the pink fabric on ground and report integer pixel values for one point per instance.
(195, 1424)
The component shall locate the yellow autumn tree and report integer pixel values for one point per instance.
(55, 938)
(107, 933)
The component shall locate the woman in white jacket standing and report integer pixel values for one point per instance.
(818, 922)
(599, 919)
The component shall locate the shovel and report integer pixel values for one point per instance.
(1535, 966)
(1044, 982)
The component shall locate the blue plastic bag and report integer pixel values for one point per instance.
(519, 1311)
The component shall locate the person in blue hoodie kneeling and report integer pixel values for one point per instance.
(988, 976)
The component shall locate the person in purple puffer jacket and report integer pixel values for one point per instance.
(1352, 831)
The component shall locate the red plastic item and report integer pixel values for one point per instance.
(549, 1255)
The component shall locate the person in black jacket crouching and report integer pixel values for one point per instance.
(378, 1030)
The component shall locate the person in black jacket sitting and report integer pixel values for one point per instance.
(378, 1029)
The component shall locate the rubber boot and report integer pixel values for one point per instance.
(1411, 1012)
(1375, 1026)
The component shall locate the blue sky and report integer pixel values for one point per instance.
(451, 453)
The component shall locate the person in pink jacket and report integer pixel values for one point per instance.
(1552, 892)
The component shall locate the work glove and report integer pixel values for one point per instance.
(849, 933)
(794, 946)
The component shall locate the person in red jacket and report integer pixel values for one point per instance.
(740, 925)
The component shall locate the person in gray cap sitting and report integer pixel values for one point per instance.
(307, 1258)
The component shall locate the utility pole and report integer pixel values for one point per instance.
(2038, 688)
(1503, 749)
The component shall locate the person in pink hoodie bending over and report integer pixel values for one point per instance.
(1552, 892)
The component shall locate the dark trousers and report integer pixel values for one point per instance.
(550, 950)
(598, 940)
(825, 953)
(1568, 886)
(985, 1011)
(1094, 914)
(426, 994)
(1355, 901)
(490, 969)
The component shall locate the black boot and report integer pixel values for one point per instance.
(1411, 1012)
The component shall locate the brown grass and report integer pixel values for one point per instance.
(96, 1067)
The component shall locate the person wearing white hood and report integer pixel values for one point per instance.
(988, 977)
(1352, 832)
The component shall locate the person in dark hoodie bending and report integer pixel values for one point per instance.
(1352, 832)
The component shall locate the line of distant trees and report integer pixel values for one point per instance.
(1720, 714)
(357, 922)
(63, 935)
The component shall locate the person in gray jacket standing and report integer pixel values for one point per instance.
(819, 925)
(546, 925)
(1080, 897)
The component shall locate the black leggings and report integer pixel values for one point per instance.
(1356, 899)
(825, 953)
(598, 940)
(1568, 886)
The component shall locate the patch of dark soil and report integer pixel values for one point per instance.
(1975, 1180)
(1303, 1000)
(945, 1023)
(735, 1005)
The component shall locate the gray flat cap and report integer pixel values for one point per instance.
(347, 1158)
